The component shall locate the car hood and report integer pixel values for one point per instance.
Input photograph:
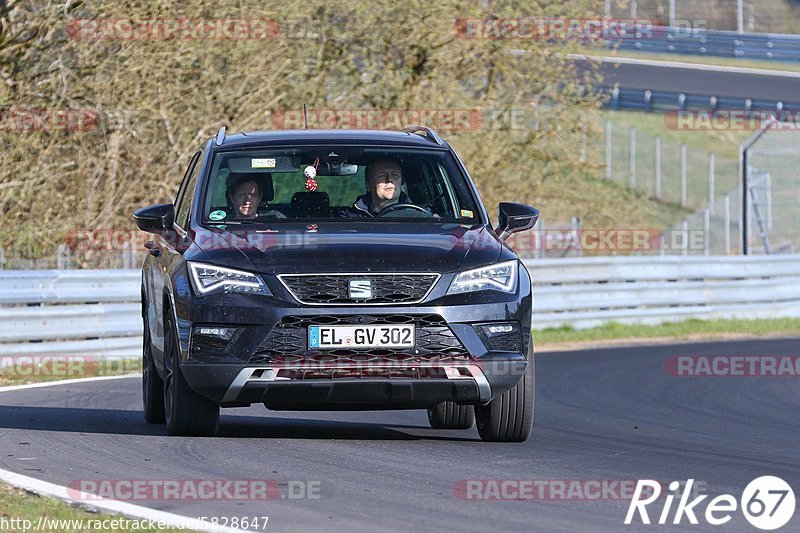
(368, 247)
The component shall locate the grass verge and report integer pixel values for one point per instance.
(22, 370)
(25, 511)
(686, 330)
(21, 510)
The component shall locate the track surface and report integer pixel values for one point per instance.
(697, 81)
(602, 414)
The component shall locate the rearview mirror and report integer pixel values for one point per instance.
(155, 218)
(515, 217)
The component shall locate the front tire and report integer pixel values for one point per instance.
(187, 413)
(509, 417)
(152, 384)
(450, 415)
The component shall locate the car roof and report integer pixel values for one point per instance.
(277, 137)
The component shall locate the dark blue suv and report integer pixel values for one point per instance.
(312, 269)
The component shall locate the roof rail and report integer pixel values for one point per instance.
(221, 136)
(429, 133)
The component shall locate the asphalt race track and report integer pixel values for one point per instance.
(607, 414)
(696, 80)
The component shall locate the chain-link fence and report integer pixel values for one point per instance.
(668, 171)
(773, 192)
(766, 16)
(127, 255)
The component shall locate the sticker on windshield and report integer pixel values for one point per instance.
(466, 213)
(262, 163)
(217, 215)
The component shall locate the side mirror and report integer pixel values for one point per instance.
(515, 217)
(155, 218)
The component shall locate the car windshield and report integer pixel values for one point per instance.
(332, 182)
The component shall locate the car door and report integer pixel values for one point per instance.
(169, 251)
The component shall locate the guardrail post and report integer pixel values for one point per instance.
(658, 167)
(633, 159)
(726, 234)
(711, 176)
(609, 160)
(683, 175)
(706, 231)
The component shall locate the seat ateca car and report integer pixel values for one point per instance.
(353, 270)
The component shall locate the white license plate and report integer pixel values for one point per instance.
(387, 336)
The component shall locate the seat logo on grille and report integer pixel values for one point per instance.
(359, 289)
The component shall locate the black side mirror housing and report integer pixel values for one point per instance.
(514, 218)
(155, 218)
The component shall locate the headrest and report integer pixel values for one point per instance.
(264, 181)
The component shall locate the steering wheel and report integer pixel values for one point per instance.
(397, 207)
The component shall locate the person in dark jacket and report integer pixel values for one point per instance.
(384, 182)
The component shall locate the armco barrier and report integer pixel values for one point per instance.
(704, 42)
(586, 292)
(97, 313)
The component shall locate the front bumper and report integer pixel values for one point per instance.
(473, 373)
(473, 382)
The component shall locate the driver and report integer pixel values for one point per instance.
(384, 181)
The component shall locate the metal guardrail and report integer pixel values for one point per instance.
(94, 313)
(97, 313)
(661, 101)
(586, 292)
(703, 42)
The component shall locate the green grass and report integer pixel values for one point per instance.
(674, 330)
(699, 144)
(17, 504)
(63, 367)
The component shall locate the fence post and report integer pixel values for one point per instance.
(62, 259)
(633, 158)
(541, 239)
(683, 175)
(685, 237)
(768, 193)
(127, 248)
(726, 235)
(711, 176)
(706, 231)
(658, 167)
(576, 232)
(608, 149)
(2, 260)
(672, 14)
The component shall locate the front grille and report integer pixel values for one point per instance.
(287, 343)
(333, 289)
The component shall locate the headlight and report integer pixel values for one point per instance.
(500, 277)
(209, 278)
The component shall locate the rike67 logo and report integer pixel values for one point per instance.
(767, 503)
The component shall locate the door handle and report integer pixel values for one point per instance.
(155, 251)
